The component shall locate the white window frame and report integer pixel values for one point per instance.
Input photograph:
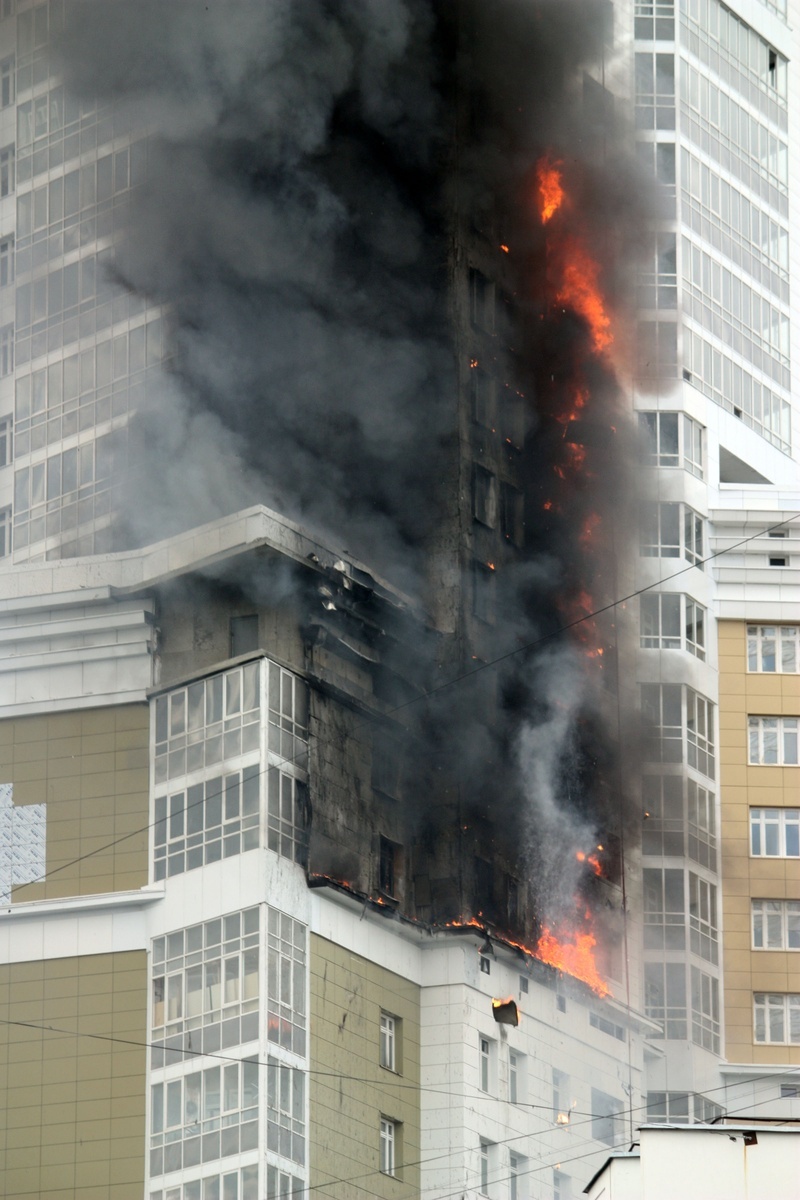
(6, 351)
(485, 1166)
(388, 1141)
(775, 924)
(5, 532)
(773, 741)
(6, 260)
(517, 1176)
(702, 825)
(686, 540)
(672, 621)
(703, 923)
(388, 1043)
(783, 824)
(705, 1010)
(484, 1063)
(515, 1076)
(778, 644)
(774, 1015)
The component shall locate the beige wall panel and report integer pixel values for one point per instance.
(73, 1107)
(744, 878)
(91, 768)
(347, 996)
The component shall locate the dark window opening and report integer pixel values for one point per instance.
(778, 562)
(244, 634)
(390, 867)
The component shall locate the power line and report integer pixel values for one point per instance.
(458, 679)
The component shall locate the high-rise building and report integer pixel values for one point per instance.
(264, 929)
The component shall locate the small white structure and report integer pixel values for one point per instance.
(743, 1161)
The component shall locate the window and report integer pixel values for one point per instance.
(244, 634)
(654, 21)
(562, 1105)
(664, 908)
(516, 1076)
(5, 532)
(669, 621)
(661, 712)
(6, 171)
(702, 826)
(7, 90)
(486, 965)
(387, 1146)
(776, 924)
(665, 997)
(776, 1018)
(517, 1176)
(280, 1186)
(562, 1186)
(775, 832)
(481, 301)
(705, 1010)
(484, 1063)
(700, 733)
(703, 918)
(390, 868)
(673, 440)
(485, 1149)
(606, 1026)
(668, 1107)
(694, 628)
(511, 514)
(6, 350)
(662, 800)
(773, 741)
(207, 821)
(483, 596)
(484, 496)
(286, 984)
(482, 393)
(6, 261)
(672, 530)
(523, 984)
(286, 1130)
(205, 985)
(606, 1125)
(655, 91)
(656, 350)
(790, 1091)
(217, 1106)
(658, 283)
(388, 1041)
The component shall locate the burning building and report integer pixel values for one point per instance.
(326, 658)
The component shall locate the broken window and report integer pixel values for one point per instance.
(484, 496)
(483, 591)
(482, 394)
(481, 301)
(389, 868)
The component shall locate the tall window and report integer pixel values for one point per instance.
(658, 283)
(517, 1176)
(665, 997)
(702, 826)
(286, 1129)
(484, 1065)
(672, 530)
(700, 732)
(663, 722)
(6, 171)
(6, 261)
(705, 1010)
(562, 1105)
(485, 1154)
(6, 350)
(663, 828)
(387, 1146)
(286, 984)
(776, 924)
(216, 1108)
(776, 1018)
(516, 1076)
(775, 832)
(388, 1054)
(703, 917)
(655, 91)
(773, 741)
(5, 532)
(654, 20)
(7, 90)
(6, 441)
(606, 1123)
(484, 496)
(773, 648)
(670, 621)
(664, 908)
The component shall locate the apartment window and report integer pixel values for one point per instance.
(484, 1063)
(484, 496)
(388, 1142)
(773, 741)
(776, 924)
(665, 997)
(287, 804)
(483, 591)
(663, 719)
(286, 1129)
(6, 350)
(206, 822)
(482, 393)
(658, 283)
(243, 634)
(776, 1018)
(562, 1104)
(205, 985)
(517, 1176)
(481, 301)
(703, 933)
(655, 91)
(514, 1077)
(662, 801)
(773, 648)
(673, 440)
(702, 826)
(664, 908)
(654, 21)
(705, 1110)
(485, 1153)
(700, 733)
(694, 628)
(6, 171)
(387, 764)
(486, 965)
(7, 90)
(672, 530)
(216, 1108)
(286, 985)
(656, 350)
(6, 261)
(280, 1185)
(234, 1185)
(5, 532)
(562, 1186)
(705, 1010)
(775, 832)
(606, 1125)
(606, 1026)
(668, 1107)
(669, 621)
(388, 1041)
(790, 1091)
(511, 514)
(389, 867)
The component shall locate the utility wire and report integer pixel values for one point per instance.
(458, 679)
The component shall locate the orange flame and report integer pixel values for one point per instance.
(581, 292)
(551, 192)
(575, 957)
